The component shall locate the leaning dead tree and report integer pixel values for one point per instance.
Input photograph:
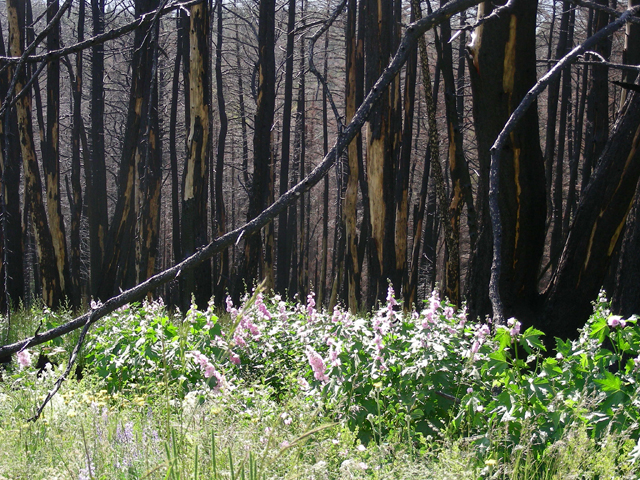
(498, 147)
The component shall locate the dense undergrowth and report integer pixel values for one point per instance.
(271, 389)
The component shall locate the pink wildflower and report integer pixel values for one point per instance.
(311, 304)
(463, 316)
(262, 308)
(383, 366)
(616, 321)
(515, 326)
(239, 340)
(391, 301)
(209, 370)
(282, 310)
(449, 312)
(337, 314)
(235, 358)
(317, 365)
(377, 340)
(333, 356)
(434, 301)
(483, 331)
(428, 318)
(24, 359)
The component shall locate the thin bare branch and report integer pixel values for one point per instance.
(604, 8)
(29, 50)
(494, 14)
(312, 65)
(618, 66)
(144, 21)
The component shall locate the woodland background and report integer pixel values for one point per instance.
(135, 132)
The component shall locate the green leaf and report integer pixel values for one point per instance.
(599, 329)
(531, 339)
(610, 383)
(503, 337)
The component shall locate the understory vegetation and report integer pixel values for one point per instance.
(271, 389)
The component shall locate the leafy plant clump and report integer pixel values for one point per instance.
(426, 381)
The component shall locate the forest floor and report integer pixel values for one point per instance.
(270, 389)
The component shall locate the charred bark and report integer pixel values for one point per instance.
(221, 213)
(12, 231)
(597, 116)
(254, 261)
(284, 254)
(597, 226)
(51, 280)
(194, 195)
(95, 170)
(502, 65)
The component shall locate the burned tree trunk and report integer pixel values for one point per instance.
(381, 129)
(254, 261)
(598, 223)
(95, 170)
(503, 69)
(51, 160)
(78, 139)
(51, 278)
(352, 265)
(284, 254)
(118, 267)
(12, 245)
(221, 214)
(597, 116)
(194, 195)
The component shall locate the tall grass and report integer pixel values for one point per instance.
(278, 390)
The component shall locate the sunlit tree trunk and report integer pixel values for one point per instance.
(194, 195)
(381, 130)
(352, 266)
(51, 278)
